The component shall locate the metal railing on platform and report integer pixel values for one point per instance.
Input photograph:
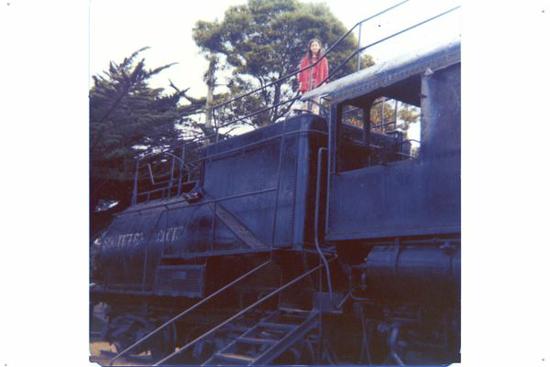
(200, 142)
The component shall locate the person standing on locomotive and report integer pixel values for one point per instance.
(314, 76)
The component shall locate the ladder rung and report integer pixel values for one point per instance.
(235, 357)
(251, 340)
(276, 325)
(294, 311)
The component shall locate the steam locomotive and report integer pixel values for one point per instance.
(320, 239)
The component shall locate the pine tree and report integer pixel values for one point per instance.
(128, 118)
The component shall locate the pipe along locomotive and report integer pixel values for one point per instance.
(320, 239)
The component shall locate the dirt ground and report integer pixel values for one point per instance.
(95, 352)
(100, 351)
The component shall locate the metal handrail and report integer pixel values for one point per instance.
(359, 50)
(257, 112)
(180, 204)
(316, 220)
(243, 311)
(336, 43)
(288, 76)
(185, 312)
(183, 164)
(215, 155)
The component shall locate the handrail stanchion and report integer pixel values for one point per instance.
(359, 46)
(316, 220)
(182, 166)
(135, 191)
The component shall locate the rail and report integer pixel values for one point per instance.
(185, 312)
(242, 312)
(361, 49)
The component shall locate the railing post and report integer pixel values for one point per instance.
(134, 193)
(395, 115)
(358, 47)
(213, 114)
(382, 122)
(182, 167)
(170, 182)
(217, 128)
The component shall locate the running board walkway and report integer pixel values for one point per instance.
(268, 339)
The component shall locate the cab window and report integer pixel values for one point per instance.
(381, 127)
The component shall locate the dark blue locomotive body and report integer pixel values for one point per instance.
(257, 195)
(387, 208)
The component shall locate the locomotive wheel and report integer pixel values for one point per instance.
(125, 330)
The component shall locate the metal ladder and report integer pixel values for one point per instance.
(279, 345)
(268, 339)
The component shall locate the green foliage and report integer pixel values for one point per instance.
(383, 115)
(263, 41)
(125, 111)
(127, 118)
(406, 114)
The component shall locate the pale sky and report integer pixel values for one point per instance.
(117, 28)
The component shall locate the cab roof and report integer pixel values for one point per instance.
(390, 72)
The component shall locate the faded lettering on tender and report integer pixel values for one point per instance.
(169, 234)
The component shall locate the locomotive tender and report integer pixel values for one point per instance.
(319, 239)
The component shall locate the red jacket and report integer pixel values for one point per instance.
(313, 77)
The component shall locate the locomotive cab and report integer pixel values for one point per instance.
(393, 202)
(383, 183)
